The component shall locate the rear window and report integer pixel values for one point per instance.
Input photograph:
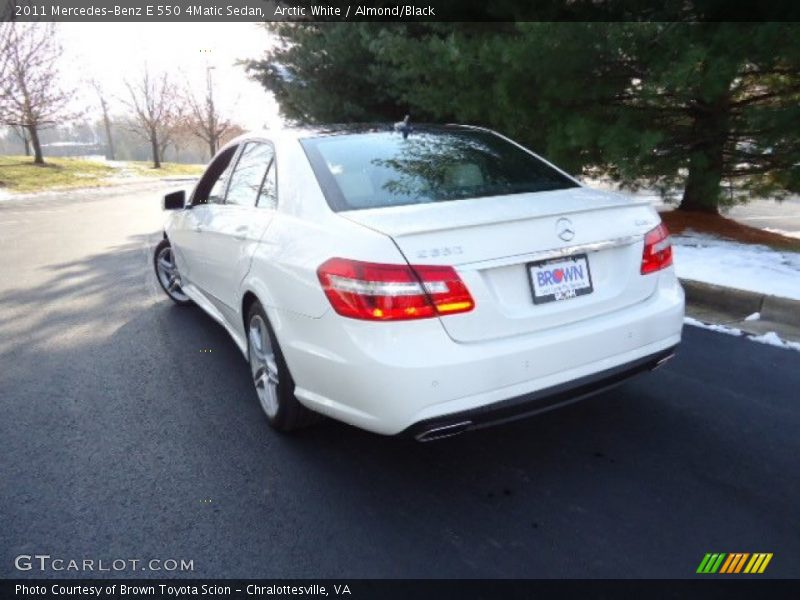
(379, 169)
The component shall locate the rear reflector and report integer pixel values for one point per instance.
(383, 292)
(657, 252)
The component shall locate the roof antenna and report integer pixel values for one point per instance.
(404, 126)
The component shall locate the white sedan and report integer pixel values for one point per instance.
(426, 280)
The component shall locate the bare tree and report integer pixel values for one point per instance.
(106, 119)
(204, 119)
(5, 49)
(7, 17)
(156, 111)
(32, 97)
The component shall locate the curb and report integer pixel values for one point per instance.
(741, 303)
(781, 310)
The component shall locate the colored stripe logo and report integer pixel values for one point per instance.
(733, 563)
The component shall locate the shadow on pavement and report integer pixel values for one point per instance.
(130, 428)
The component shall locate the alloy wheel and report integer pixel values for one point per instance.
(168, 275)
(263, 365)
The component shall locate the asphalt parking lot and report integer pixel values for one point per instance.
(130, 429)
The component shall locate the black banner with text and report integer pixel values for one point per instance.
(359, 589)
(401, 10)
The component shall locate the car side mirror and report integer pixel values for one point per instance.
(174, 201)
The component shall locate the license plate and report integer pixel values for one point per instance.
(560, 278)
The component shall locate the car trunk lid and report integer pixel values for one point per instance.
(493, 242)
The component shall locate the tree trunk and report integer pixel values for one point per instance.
(154, 150)
(212, 147)
(702, 192)
(710, 129)
(110, 141)
(38, 159)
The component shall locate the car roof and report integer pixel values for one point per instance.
(311, 131)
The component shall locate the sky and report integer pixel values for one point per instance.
(111, 52)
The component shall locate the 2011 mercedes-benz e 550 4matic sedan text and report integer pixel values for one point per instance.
(427, 280)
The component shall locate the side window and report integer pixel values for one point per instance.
(268, 197)
(211, 187)
(217, 193)
(249, 173)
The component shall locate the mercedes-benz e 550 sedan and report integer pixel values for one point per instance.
(427, 280)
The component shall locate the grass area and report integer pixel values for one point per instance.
(18, 174)
(145, 169)
(679, 221)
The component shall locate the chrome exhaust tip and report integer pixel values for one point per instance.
(661, 361)
(443, 431)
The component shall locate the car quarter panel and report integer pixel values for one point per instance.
(305, 233)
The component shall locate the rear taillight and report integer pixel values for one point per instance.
(380, 292)
(657, 253)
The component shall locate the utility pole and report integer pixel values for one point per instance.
(204, 121)
(213, 140)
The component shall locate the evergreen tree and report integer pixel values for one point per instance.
(676, 105)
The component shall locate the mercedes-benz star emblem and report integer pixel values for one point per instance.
(564, 229)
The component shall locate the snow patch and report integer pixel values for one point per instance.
(750, 267)
(787, 233)
(712, 326)
(771, 338)
(754, 317)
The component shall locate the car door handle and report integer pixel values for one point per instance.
(240, 232)
(198, 228)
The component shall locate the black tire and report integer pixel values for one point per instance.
(175, 294)
(287, 414)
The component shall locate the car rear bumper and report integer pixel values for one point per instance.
(535, 402)
(391, 377)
